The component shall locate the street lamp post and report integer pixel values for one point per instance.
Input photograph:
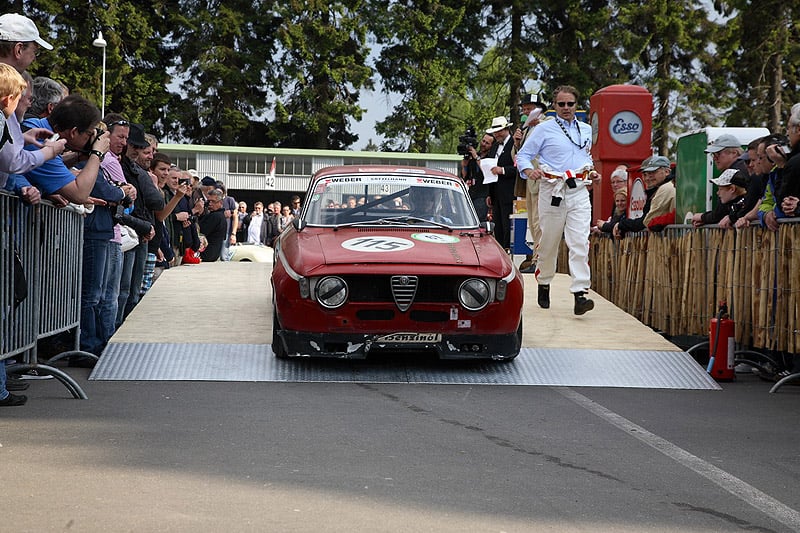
(101, 43)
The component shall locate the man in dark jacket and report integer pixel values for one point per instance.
(502, 191)
(214, 226)
(148, 200)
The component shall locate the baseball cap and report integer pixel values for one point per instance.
(731, 176)
(723, 141)
(20, 29)
(654, 163)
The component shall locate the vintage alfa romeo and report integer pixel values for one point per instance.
(387, 258)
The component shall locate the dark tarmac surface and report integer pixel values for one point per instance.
(147, 456)
(202, 456)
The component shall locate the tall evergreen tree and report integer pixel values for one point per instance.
(323, 69)
(759, 54)
(574, 42)
(137, 56)
(667, 42)
(512, 27)
(427, 50)
(224, 60)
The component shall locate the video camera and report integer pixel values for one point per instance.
(467, 140)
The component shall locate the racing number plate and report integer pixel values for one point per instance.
(411, 338)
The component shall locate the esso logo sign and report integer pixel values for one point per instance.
(638, 197)
(625, 127)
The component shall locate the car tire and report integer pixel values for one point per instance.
(519, 340)
(278, 347)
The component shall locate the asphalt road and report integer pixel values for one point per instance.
(206, 456)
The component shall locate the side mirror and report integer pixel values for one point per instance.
(487, 226)
(298, 223)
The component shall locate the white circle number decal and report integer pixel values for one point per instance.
(377, 243)
(435, 238)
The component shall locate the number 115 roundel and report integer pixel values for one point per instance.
(386, 258)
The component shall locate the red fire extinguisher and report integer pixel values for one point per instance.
(721, 345)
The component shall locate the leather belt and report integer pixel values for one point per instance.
(581, 176)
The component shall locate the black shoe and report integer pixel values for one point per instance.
(12, 400)
(544, 296)
(15, 384)
(81, 361)
(582, 303)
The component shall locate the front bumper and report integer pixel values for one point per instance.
(358, 346)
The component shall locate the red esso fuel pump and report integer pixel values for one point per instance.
(721, 346)
(621, 117)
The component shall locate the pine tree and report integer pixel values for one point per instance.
(323, 69)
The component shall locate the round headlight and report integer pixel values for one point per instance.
(331, 292)
(474, 294)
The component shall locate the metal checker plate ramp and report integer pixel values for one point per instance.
(534, 366)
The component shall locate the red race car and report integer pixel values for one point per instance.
(387, 258)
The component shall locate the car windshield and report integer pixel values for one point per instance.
(389, 198)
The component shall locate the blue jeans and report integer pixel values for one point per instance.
(131, 281)
(110, 298)
(226, 249)
(95, 261)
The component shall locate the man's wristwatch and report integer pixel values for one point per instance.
(100, 155)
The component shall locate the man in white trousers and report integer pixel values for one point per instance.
(566, 173)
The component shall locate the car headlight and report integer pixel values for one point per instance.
(474, 294)
(331, 292)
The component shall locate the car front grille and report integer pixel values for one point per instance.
(404, 290)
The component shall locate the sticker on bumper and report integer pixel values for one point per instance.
(410, 338)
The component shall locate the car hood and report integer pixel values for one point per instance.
(417, 246)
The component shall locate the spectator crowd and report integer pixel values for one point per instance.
(141, 212)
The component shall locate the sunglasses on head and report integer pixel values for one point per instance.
(562, 104)
(119, 123)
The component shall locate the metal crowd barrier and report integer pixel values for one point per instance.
(48, 243)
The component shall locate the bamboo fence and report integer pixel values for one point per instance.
(674, 280)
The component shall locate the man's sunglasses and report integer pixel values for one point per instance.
(562, 104)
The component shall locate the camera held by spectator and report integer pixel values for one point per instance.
(466, 141)
(141, 227)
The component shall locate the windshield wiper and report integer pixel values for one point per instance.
(404, 220)
(417, 220)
